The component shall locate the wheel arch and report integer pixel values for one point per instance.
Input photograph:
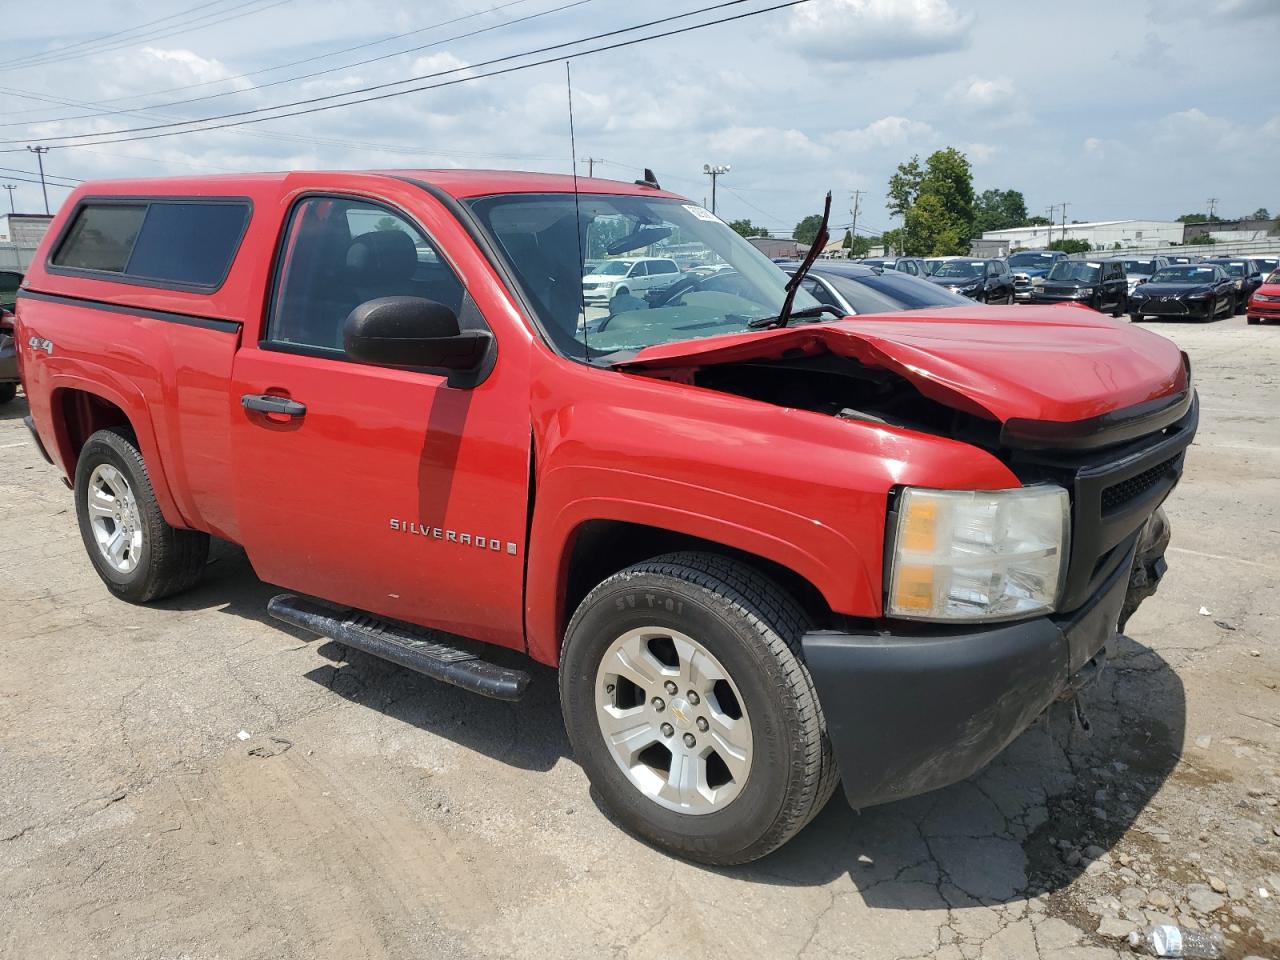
(78, 409)
(597, 548)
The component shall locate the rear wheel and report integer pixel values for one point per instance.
(691, 710)
(1255, 320)
(1135, 317)
(7, 392)
(134, 550)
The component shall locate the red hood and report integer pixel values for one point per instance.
(1270, 289)
(1057, 363)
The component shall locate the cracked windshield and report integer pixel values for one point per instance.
(651, 271)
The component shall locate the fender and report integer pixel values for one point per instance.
(102, 382)
(813, 550)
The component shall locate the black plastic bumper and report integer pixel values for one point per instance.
(908, 714)
(36, 437)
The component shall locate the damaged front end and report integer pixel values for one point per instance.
(910, 705)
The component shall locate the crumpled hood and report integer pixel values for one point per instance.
(1057, 363)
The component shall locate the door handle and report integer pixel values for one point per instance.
(265, 403)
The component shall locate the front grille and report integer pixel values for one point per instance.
(1117, 495)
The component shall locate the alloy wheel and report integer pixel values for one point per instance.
(114, 518)
(673, 720)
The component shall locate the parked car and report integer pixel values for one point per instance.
(628, 275)
(10, 280)
(1176, 259)
(1244, 273)
(988, 281)
(1028, 266)
(855, 289)
(769, 552)
(1268, 265)
(1198, 291)
(1140, 270)
(931, 264)
(1098, 283)
(914, 266)
(1265, 302)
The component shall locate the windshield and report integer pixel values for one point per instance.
(960, 269)
(1140, 266)
(1233, 269)
(1033, 260)
(612, 268)
(1184, 275)
(887, 292)
(1075, 270)
(536, 232)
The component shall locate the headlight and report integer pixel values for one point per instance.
(1084, 292)
(1201, 295)
(978, 554)
(1037, 281)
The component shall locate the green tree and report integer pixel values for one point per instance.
(1262, 213)
(1198, 218)
(847, 242)
(806, 230)
(746, 228)
(386, 223)
(860, 246)
(1036, 222)
(1071, 246)
(904, 187)
(1203, 239)
(999, 210)
(939, 218)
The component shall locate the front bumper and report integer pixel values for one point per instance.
(1038, 297)
(1264, 309)
(1181, 307)
(909, 713)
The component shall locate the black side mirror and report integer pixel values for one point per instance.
(412, 332)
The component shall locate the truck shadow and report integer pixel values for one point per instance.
(528, 734)
(1008, 833)
(990, 839)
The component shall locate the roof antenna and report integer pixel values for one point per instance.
(649, 180)
(577, 215)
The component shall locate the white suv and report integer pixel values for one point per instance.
(628, 275)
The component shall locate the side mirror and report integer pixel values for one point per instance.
(412, 332)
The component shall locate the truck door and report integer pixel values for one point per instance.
(383, 489)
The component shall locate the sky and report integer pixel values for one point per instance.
(1121, 110)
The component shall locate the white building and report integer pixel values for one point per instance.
(1101, 234)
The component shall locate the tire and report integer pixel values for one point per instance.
(1135, 318)
(158, 560)
(1239, 307)
(622, 292)
(7, 392)
(749, 630)
(1255, 319)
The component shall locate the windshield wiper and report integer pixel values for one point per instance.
(807, 313)
(793, 284)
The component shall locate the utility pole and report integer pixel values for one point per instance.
(40, 152)
(1049, 210)
(11, 187)
(1064, 221)
(1213, 206)
(591, 165)
(857, 196)
(713, 171)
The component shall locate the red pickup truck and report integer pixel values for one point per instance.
(766, 548)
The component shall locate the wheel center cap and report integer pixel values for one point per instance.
(681, 711)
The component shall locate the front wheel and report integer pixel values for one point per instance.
(1135, 318)
(691, 710)
(131, 546)
(7, 392)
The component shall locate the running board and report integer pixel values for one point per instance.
(407, 646)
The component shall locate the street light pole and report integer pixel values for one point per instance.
(40, 152)
(713, 171)
(11, 187)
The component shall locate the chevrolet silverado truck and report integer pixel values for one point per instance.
(769, 550)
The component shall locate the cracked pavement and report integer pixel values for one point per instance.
(410, 819)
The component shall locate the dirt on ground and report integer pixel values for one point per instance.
(374, 813)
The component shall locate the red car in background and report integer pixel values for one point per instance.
(1265, 302)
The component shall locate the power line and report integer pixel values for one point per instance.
(295, 63)
(382, 86)
(304, 76)
(51, 176)
(11, 187)
(222, 16)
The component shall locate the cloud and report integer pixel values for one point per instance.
(886, 132)
(878, 29)
(979, 95)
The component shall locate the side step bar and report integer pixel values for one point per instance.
(407, 646)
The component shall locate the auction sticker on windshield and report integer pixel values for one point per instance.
(702, 213)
